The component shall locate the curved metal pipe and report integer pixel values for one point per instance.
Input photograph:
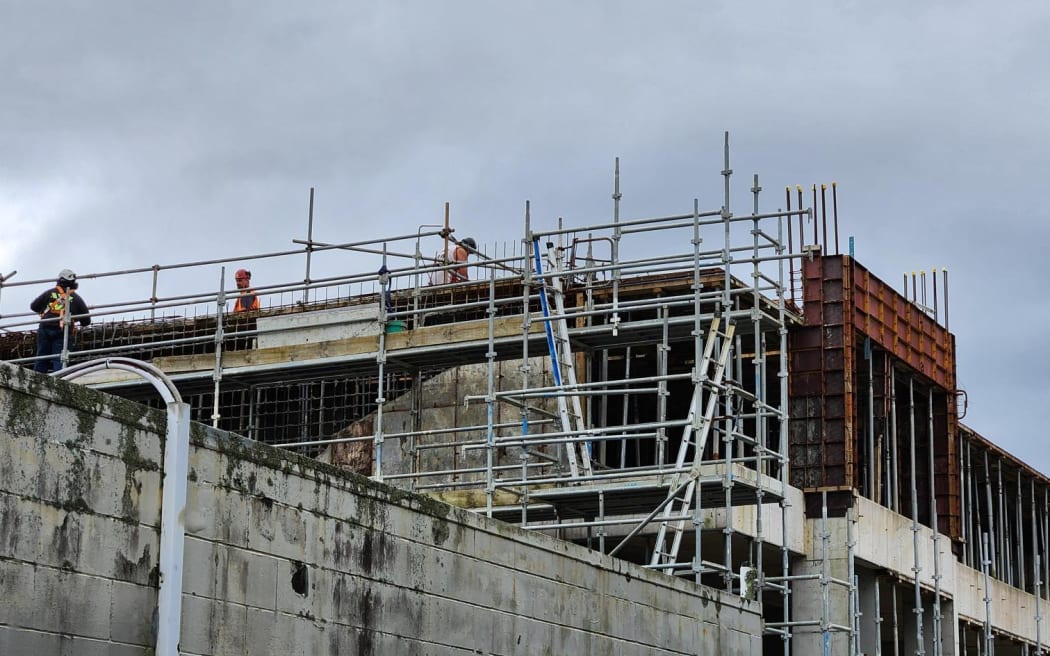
(173, 501)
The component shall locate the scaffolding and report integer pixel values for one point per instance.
(623, 384)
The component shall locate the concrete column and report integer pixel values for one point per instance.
(868, 623)
(808, 597)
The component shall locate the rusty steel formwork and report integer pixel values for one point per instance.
(858, 336)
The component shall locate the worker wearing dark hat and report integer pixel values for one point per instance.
(57, 307)
(462, 252)
(248, 299)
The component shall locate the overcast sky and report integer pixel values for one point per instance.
(138, 133)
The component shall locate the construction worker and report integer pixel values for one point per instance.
(248, 299)
(462, 252)
(58, 307)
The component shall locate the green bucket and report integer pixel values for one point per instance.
(395, 326)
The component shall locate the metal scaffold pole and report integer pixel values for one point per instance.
(989, 645)
(825, 577)
(878, 619)
(920, 647)
(1037, 574)
(490, 401)
(938, 648)
(526, 326)
(220, 312)
(384, 282)
(678, 416)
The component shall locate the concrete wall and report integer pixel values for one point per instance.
(289, 556)
(440, 405)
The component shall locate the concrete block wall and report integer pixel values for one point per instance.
(285, 555)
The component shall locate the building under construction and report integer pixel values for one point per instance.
(723, 397)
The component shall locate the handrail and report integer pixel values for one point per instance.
(173, 500)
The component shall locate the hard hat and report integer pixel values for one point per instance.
(67, 275)
(470, 243)
(243, 274)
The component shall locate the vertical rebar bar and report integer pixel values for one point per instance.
(824, 217)
(944, 275)
(801, 224)
(813, 215)
(835, 212)
(936, 310)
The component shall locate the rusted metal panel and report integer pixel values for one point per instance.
(820, 379)
(914, 338)
(844, 304)
(902, 328)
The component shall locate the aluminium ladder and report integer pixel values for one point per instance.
(563, 360)
(694, 434)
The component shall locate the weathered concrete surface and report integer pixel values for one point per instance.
(288, 556)
(440, 405)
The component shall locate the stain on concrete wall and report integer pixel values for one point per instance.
(287, 555)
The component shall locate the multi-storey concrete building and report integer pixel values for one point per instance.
(724, 399)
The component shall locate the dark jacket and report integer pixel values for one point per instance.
(51, 303)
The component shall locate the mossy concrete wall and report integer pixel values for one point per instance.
(285, 555)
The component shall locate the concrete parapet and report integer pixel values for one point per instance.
(287, 555)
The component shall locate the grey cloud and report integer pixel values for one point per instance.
(187, 131)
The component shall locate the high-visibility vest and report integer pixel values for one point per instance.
(56, 307)
(247, 301)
